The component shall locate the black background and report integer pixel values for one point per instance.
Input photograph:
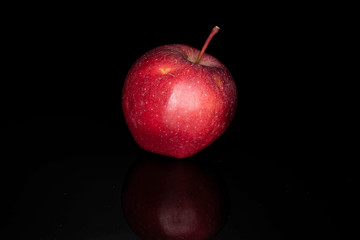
(66, 149)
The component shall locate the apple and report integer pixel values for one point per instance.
(178, 100)
(173, 199)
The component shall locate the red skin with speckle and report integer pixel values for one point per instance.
(174, 106)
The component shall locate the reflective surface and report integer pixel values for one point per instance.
(167, 198)
(80, 198)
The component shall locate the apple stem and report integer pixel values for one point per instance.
(214, 31)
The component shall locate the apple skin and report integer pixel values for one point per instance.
(174, 106)
(167, 199)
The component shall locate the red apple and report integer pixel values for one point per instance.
(177, 100)
(166, 199)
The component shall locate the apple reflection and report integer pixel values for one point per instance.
(166, 198)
